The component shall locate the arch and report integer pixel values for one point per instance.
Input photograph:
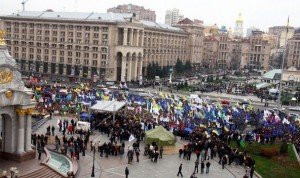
(7, 138)
(119, 57)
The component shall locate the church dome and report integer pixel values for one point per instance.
(239, 19)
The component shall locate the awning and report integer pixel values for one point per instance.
(108, 106)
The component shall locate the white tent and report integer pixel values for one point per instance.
(108, 106)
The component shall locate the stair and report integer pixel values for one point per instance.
(44, 172)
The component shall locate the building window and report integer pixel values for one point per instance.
(95, 63)
(69, 60)
(61, 59)
(95, 55)
(86, 55)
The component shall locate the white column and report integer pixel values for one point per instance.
(140, 66)
(137, 37)
(142, 38)
(28, 133)
(129, 68)
(20, 138)
(125, 37)
(134, 77)
(131, 37)
(123, 69)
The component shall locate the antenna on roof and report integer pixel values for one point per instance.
(23, 4)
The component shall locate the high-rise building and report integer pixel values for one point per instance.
(173, 17)
(250, 30)
(143, 14)
(238, 31)
(282, 34)
(293, 50)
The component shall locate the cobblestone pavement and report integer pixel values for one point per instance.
(114, 166)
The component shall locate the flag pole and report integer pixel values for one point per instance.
(282, 66)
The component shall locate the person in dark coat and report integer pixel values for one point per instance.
(207, 167)
(179, 170)
(126, 172)
(196, 165)
(202, 167)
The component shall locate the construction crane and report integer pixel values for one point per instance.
(23, 4)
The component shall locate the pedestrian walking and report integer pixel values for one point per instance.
(126, 172)
(196, 165)
(137, 153)
(207, 167)
(52, 129)
(161, 150)
(179, 170)
(202, 167)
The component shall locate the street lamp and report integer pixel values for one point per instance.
(93, 168)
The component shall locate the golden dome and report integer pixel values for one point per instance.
(239, 19)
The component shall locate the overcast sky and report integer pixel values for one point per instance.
(258, 13)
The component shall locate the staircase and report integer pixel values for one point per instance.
(44, 172)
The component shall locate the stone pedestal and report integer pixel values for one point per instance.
(18, 157)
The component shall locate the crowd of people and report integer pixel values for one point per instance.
(207, 125)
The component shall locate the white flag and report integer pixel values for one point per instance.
(131, 138)
(285, 121)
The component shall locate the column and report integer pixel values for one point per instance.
(129, 68)
(28, 130)
(137, 37)
(134, 77)
(89, 72)
(49, 68)
(123, 69)
(20, 138)
(142, 39)
(125, 37)
(131, 37)
(140, 66)
(65, 70)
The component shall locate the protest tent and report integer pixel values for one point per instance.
(108, 106)
(161, 136)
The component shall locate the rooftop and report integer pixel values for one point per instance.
(85, 16)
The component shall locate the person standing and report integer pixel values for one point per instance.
(126, 172)
(161, 150)
(52, 129)
(196, 165)
(207, 167)
(179, 170)
(202, 167)
(137, 153)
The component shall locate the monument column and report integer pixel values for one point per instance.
(28, 130)
(20, 145)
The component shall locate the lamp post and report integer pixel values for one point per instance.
(171, 72)
(114, 116)
(93, 168)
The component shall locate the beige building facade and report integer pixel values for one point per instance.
(112, 46)
(222, 52)
(293, 50)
